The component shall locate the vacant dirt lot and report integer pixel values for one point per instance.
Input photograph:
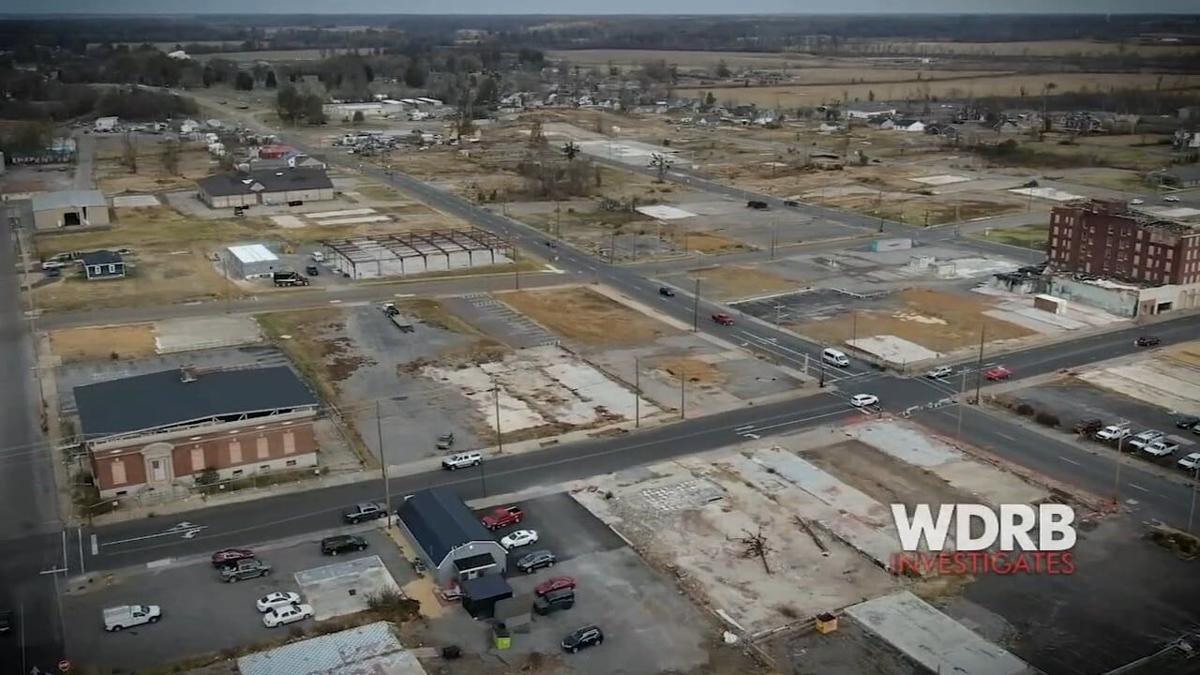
(883, 477)
(732, 282)
(936, 320)
(112, 176)
(303, 336)
(692, 370)
(104, 342)
(583, 315)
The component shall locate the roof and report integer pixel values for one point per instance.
(1185, 171)
(265, 180)
(372, 648)
(252, 253)
(163, 399)
(487, 587)
(68, 199)
(474, 562)
(441, 522)
(104, 257)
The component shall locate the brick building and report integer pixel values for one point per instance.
(163, 429)
(1106, 239)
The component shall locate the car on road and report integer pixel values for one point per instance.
(723, 319)
(128, 616)
(550, 244)
(1147, 341)
(1171, 198)
(757, 204)
(667, 292)
(997, 373)
(588, 636)
(245, 569)
(536, 560)
(1113, 432)
(864, 400)
(1088, 426)
(1137, 202)
(791, 202)
(1186, 422)
(277, 599)
(290, 614)
(503, 517)
(1144, 438)
(1190, 462)
(462, 460)
(312, 271)
(318, 256)
(554, 584)
(230, 556)
(365, 511)
(940, 372)
(519, 538)
(445, 441)
(6, 621)
(553, 602)
(341, 543)
(1161, 448)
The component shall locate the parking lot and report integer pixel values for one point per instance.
(200, 613)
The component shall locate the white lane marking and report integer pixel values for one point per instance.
(1137, 487)
(95, 545)
(745, 427)
(185, 529)
(753, 437)
(1069, 460)
(335, 302)
(1006, 436)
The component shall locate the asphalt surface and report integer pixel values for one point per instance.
(31, 533)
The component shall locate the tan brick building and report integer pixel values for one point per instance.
(164, 429)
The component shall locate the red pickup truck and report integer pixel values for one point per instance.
(723, 319)
(503, 517)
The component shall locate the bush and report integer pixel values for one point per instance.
(1025, 409)
(1048, 419)
(393, 606)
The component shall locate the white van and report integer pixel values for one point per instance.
(462, 460)
(128, 616)
(835, 357)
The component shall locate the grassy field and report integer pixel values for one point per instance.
(103, 342)
(688, 59)
(1033, 236)
(276, 56)
(731, 282)
(588, 317)
(1042, 48)
(963, 87)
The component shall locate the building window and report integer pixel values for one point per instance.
(289, 443)
(112, 269)
(197, 459)
(238, 472)
(290, 462)
(263, 447)
(122, 493)
(235, 452)
(118, 471)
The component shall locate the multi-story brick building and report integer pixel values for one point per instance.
(1108, 240)
(163, 429)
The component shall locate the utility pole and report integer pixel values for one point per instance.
(853, 326)
(612, 247)
(979, 363)
(1117, 476)
(1192, 508)
(681, 389)
(499, 436)
(774, 237)
(637, 393)
(517, 267)
(387, 489)
(962, 389)
(696, 308)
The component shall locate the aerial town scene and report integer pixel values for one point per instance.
(689, 338)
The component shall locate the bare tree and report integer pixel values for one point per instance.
(537, 137)
(570, 150)
(756, 546)
(661, 165)
(170, 157)
(129, 152)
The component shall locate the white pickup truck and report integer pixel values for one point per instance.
(128, 616)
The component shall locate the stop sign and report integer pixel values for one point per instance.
(64, 666)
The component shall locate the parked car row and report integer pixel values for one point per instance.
(1151, 443)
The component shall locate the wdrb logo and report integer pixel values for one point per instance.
(1017, 539)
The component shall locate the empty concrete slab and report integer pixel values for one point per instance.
(345, 587)
(185, 335)
(932, 639)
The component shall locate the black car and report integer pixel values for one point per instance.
(1089, 426)
(791, 202)
(6, 621)
(536, 560)
(312, 271)
(584, 637)
(360, 512)
(342, 543)
(1147, 341)
(554, 601)
(666, 291)
(1186, 422)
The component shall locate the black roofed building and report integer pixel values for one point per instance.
(449, 537)
(292, 185)
(164, 429)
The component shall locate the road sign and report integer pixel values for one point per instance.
(64, 666)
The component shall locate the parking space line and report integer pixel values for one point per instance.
(1135, 486)
(1069, 460)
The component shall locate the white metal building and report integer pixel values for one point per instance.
(252, 260)
(69, 208)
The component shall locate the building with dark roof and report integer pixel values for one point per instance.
(102, 265)
(451, 540)
(291, 185)
(164, 429)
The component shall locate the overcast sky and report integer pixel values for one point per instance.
(589, 6)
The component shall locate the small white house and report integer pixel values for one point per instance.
(106, 124)
(252, 260)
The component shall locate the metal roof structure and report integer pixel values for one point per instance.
(440, 522)
(179, 397)
(68, 199)
(415, 244)
(372, 648)
(253, 253)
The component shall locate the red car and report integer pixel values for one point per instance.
(230, 556)
(998, 373)
(723, 319)
(554, 584)
(503, 517)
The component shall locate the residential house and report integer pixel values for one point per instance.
(100, 265)
(165, 429)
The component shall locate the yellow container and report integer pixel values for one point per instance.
(826, 623)
(503, 642)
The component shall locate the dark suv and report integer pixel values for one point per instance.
(584, 637)
(342, 543)
(536, 560)
(554, 601)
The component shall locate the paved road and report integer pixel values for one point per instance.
(30, 531)
(263, 520)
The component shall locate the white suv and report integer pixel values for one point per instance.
(462, 460)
